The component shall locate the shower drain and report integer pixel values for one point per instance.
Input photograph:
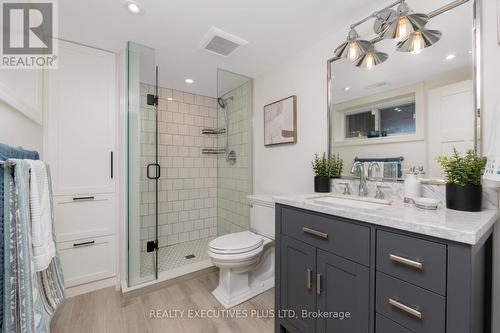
(190, 256)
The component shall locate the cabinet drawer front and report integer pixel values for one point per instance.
(417, 309)
(84, 216)
(335, 235)
(417, 261)
(384, 325)
(87, 260)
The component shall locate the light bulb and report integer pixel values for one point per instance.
(402, 29)
(370, 62)
(352, 52)
(417, 44)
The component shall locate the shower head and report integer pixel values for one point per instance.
(223, 101)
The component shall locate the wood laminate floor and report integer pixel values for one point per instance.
(106, 310)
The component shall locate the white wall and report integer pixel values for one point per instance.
(18, 130)
(287, 168)
(491, 104)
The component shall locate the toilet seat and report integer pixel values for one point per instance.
(236, 243)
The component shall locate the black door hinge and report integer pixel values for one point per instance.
(151, 246)
(152, 99)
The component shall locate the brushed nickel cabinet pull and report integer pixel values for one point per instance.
(318, 284)
(308, 281)
(405, 261)
(405, 308)
(315, 232)
(83, 199)
(84, 244)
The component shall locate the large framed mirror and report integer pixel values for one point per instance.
(402, 109)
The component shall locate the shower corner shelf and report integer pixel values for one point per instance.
(213, 151)
(213, 131)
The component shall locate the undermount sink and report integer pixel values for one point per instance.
(351, 201)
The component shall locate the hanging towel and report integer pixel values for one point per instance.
(41, 216)
(7, 152)
(30, 297)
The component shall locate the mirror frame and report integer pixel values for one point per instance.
(476, 69)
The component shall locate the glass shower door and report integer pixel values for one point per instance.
(143, 165)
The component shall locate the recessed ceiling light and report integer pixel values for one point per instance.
(133, 7)
(189, 81)
(347, 88)
(169, 98)
(450, 56)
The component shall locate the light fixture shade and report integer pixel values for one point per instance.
(401, 27)
(352, 49)
(371, 59)
(419, 40)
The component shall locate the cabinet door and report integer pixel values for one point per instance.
(298, 271)
(344, 287)
(80, 126)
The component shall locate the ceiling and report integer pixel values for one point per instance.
(275, 30)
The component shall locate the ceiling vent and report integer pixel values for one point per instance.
(220, 42)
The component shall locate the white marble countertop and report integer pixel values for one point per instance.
(458, 226)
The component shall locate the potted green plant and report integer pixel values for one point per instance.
(335, 166)
(463, 180)
(321, 170)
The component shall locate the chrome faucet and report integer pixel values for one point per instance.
(371, 166)
(363, 191)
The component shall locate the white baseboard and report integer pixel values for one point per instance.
(92, 286)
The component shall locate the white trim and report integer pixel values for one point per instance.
(380, 140)
(89, 287)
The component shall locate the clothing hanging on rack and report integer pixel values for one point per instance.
(7, 152)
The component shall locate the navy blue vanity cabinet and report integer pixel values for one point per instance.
(341, 276)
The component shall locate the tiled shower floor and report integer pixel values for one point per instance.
(175, 256)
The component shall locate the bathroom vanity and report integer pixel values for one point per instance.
(389, 269)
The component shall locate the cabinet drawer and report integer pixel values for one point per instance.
(384, 325)
(87, 260)
(84, 216)
(417, 261)
(404, 303)
(333, 234)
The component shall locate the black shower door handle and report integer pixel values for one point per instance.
(157, 171)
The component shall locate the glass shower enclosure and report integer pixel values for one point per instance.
(189, 168)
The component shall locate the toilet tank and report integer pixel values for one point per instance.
(262, 214)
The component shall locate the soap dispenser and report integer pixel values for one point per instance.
(412, 185)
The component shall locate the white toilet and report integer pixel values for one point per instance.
(246, 259)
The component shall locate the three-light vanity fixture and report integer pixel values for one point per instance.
(401, 24)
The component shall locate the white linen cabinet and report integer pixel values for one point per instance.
(80, 145)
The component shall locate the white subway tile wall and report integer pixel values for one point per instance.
(187, 190)
(235, 181)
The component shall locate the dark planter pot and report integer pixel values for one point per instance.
(321, 184)
(466, 198)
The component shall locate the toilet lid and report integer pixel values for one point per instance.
(239, 242)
